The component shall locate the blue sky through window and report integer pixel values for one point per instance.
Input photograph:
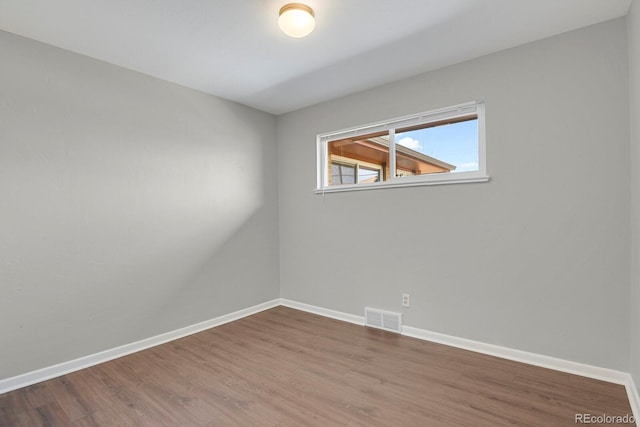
(455, 143)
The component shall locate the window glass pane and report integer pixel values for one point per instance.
(368, 175)
(343, 174)
(448, 146)
(358, 160)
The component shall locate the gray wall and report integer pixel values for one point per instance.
(129, 206)
(537, 259)
(633, 22)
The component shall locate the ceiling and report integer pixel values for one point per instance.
(234, 48)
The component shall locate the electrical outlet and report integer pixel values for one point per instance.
(406, 300)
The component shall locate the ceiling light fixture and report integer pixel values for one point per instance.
(296, 20)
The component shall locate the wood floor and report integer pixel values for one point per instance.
(284, 367)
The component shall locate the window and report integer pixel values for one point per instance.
(437, 147)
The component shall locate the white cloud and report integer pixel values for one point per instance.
(469, 166)
(409, 142)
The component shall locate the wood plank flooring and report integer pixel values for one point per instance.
(284, 367)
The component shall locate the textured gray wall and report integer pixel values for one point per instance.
(633, 21)
(129, 206)
(537, 259)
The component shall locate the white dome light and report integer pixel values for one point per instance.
(296, 20)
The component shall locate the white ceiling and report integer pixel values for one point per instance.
(234, 48)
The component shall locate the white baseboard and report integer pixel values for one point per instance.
(634, 398)
(562, 365)
(338, 315)
(49, 372)
(603, 374)
(554, 363)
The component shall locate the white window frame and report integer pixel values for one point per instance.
(475, 107)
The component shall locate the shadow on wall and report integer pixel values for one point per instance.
(239, 273)
(116, 189)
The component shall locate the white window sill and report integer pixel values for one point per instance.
(396, 183)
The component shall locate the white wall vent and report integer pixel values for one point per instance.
(387, 320)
